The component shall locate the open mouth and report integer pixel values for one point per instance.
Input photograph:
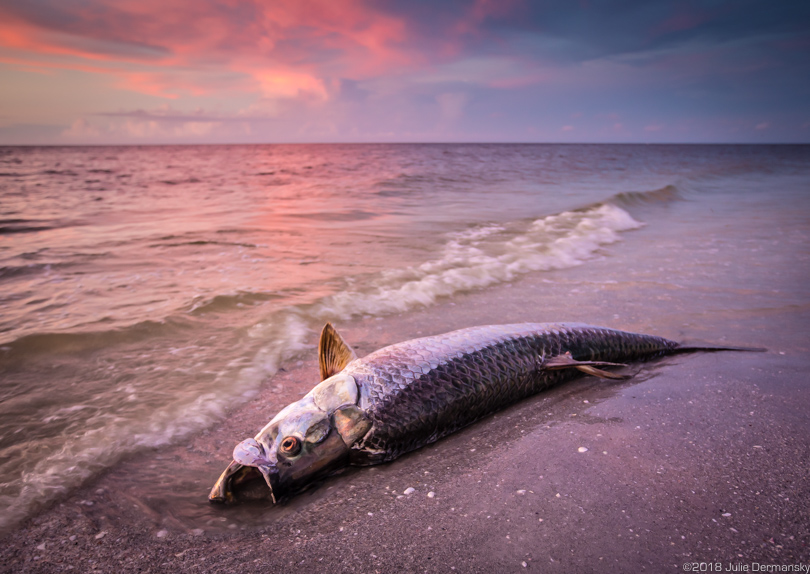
(240, 483)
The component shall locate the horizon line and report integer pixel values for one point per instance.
(157, 144)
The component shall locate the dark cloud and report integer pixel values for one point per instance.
(583, 30)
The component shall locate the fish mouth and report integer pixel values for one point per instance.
(240, 481)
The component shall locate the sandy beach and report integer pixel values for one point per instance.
(698, 458)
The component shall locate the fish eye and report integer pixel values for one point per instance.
(290, 446)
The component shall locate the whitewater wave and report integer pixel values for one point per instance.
(486, 255)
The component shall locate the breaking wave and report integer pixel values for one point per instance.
(663, 195)
(485, 255)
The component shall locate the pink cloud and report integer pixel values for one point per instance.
(157, 47)
(253, 54)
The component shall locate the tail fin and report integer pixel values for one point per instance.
(714, 349)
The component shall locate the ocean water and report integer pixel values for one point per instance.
(145, 291)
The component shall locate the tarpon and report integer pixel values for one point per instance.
(373, 409)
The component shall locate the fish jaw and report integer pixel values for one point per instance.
(236, 474)
(249, 456)
(251, 453)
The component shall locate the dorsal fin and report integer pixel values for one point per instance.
(333, 352)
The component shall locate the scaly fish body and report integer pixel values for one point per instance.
(407, 395)
(420, 390)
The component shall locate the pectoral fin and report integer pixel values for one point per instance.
(333, 352)
(566, 361)
(351, 423)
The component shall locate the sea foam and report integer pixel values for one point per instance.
(484, 256)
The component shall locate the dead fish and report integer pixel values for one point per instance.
(404, 396)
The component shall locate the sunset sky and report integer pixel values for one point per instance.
(231, 71)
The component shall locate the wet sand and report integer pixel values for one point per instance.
(698, 458)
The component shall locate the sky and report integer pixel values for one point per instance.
(286, 71)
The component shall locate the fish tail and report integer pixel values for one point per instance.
(714, 348)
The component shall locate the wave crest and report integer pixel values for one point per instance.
(666, 194)
(484, 256)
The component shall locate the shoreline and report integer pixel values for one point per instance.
(706, 453)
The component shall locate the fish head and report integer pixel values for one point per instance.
(305, 441)
(296, 447)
